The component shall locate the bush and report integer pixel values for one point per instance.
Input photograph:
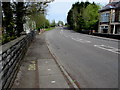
(5, 38)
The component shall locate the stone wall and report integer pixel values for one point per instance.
(11, 55)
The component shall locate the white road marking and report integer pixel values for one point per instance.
(108, 48)
(53, 81)
(66, 36)
(71, 36)
(76, 39)
(88, 41)
(60, 32)
(49, 69)
(73, 39)
(46, 62)
(81, 40)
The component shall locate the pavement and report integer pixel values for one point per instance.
(39, 68)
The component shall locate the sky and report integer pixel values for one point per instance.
(58, 9)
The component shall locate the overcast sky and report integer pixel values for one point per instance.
(58, 9)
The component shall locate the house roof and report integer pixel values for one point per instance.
(112, 5)
(118, 5)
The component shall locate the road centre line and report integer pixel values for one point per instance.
(114, 50)
(79, 40)
(105, 47)
(109, 47)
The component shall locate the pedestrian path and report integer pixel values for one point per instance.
(51, 75)
(39, 69)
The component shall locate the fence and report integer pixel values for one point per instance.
(11, 57)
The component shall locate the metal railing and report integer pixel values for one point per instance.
(11, 57)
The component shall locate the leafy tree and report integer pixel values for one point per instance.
(83, 15)
(70, 19)
(8, 31)
(53, 24)
(15, 13)
(7, 19)
(47, 24)
(36, 12)
(60, 23)
(90, 16)
(20, 13)
(74, 18)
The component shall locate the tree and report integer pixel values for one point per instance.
(7, 19)
(70, 19)
(15, 13)
(8, 31)
(83, 16)
(74, 18)
(90, 16)
(53, 24)
(60, 23)
(37, 11)
(47, 24)
(20, 13)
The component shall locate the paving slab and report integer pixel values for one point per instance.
(50, 75)
(49, 69)
(53, 81)
(43, 62)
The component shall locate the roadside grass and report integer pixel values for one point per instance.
(48, 29)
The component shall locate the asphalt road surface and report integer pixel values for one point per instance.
(90, 60)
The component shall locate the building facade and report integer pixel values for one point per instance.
(110, 18)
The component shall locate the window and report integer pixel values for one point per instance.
(105, 17)
(119, 16)
(104, 27)
(113, 17)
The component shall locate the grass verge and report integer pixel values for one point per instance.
(48, 29)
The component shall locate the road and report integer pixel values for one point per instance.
(90, 60)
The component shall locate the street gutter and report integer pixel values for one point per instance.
(71, 82)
